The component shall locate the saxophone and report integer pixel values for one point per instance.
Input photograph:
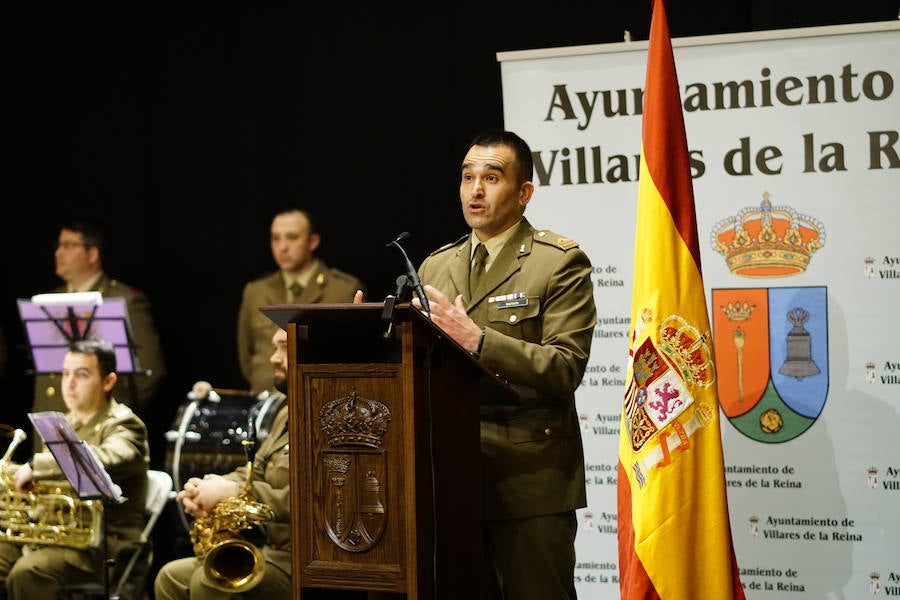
(231, 563)
(50, 513)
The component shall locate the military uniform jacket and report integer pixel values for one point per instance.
(255, 330)
(271, 485)
(136, 389)
(118, 438)
(536, 305)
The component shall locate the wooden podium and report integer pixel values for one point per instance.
(385, 452)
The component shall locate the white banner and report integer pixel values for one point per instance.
(795, 144)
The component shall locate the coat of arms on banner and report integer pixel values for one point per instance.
(771, 343)
(355, 470)
(772, 358)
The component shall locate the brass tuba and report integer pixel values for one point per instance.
(50, 513)
(231, 563)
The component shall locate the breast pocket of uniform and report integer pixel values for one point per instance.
(517, 317)
(278, 472)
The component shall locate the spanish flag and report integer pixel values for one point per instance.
(674, 533)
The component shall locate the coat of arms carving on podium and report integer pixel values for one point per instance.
(355, 470)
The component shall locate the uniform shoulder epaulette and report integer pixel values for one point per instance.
(338, 274)
(120, 410)
(115, 283)
(548, 237)
(446, 247)
(263, 278)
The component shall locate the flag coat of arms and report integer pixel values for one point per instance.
(673, 525)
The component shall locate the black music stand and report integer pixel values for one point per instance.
(82, 468)
(53, 321)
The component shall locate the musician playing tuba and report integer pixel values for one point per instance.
(35, 563)
(236, 566)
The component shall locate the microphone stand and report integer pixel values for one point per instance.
(387, 313)
(80, 468)
(406, 284)
(412, 277)
(197, 395)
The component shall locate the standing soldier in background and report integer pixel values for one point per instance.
(79, 263)
(301, 279)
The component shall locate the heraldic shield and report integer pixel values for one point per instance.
(771, 349)
(355, 471)
(665, 395)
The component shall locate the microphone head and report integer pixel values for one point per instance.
(403, 236)
(200, 390)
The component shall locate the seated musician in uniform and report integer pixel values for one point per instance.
(184, 577)
(118, 438)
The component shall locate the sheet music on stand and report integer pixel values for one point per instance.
(75, 458)
(54, 320)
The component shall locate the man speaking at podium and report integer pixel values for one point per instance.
(521, 301)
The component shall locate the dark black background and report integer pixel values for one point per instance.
(184, 128)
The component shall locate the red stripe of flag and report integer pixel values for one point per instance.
(663, 131)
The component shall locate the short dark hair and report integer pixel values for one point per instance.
(103, 350)
(313, 224)
(91, 233)
(499, 137)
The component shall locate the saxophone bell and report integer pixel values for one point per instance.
(233, 564)
(230, 562)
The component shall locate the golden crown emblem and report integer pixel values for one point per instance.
(354, 421)
(738, 311)
(767, 241)
(688, 350)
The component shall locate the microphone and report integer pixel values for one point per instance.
(203, 390)
(411, 274)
